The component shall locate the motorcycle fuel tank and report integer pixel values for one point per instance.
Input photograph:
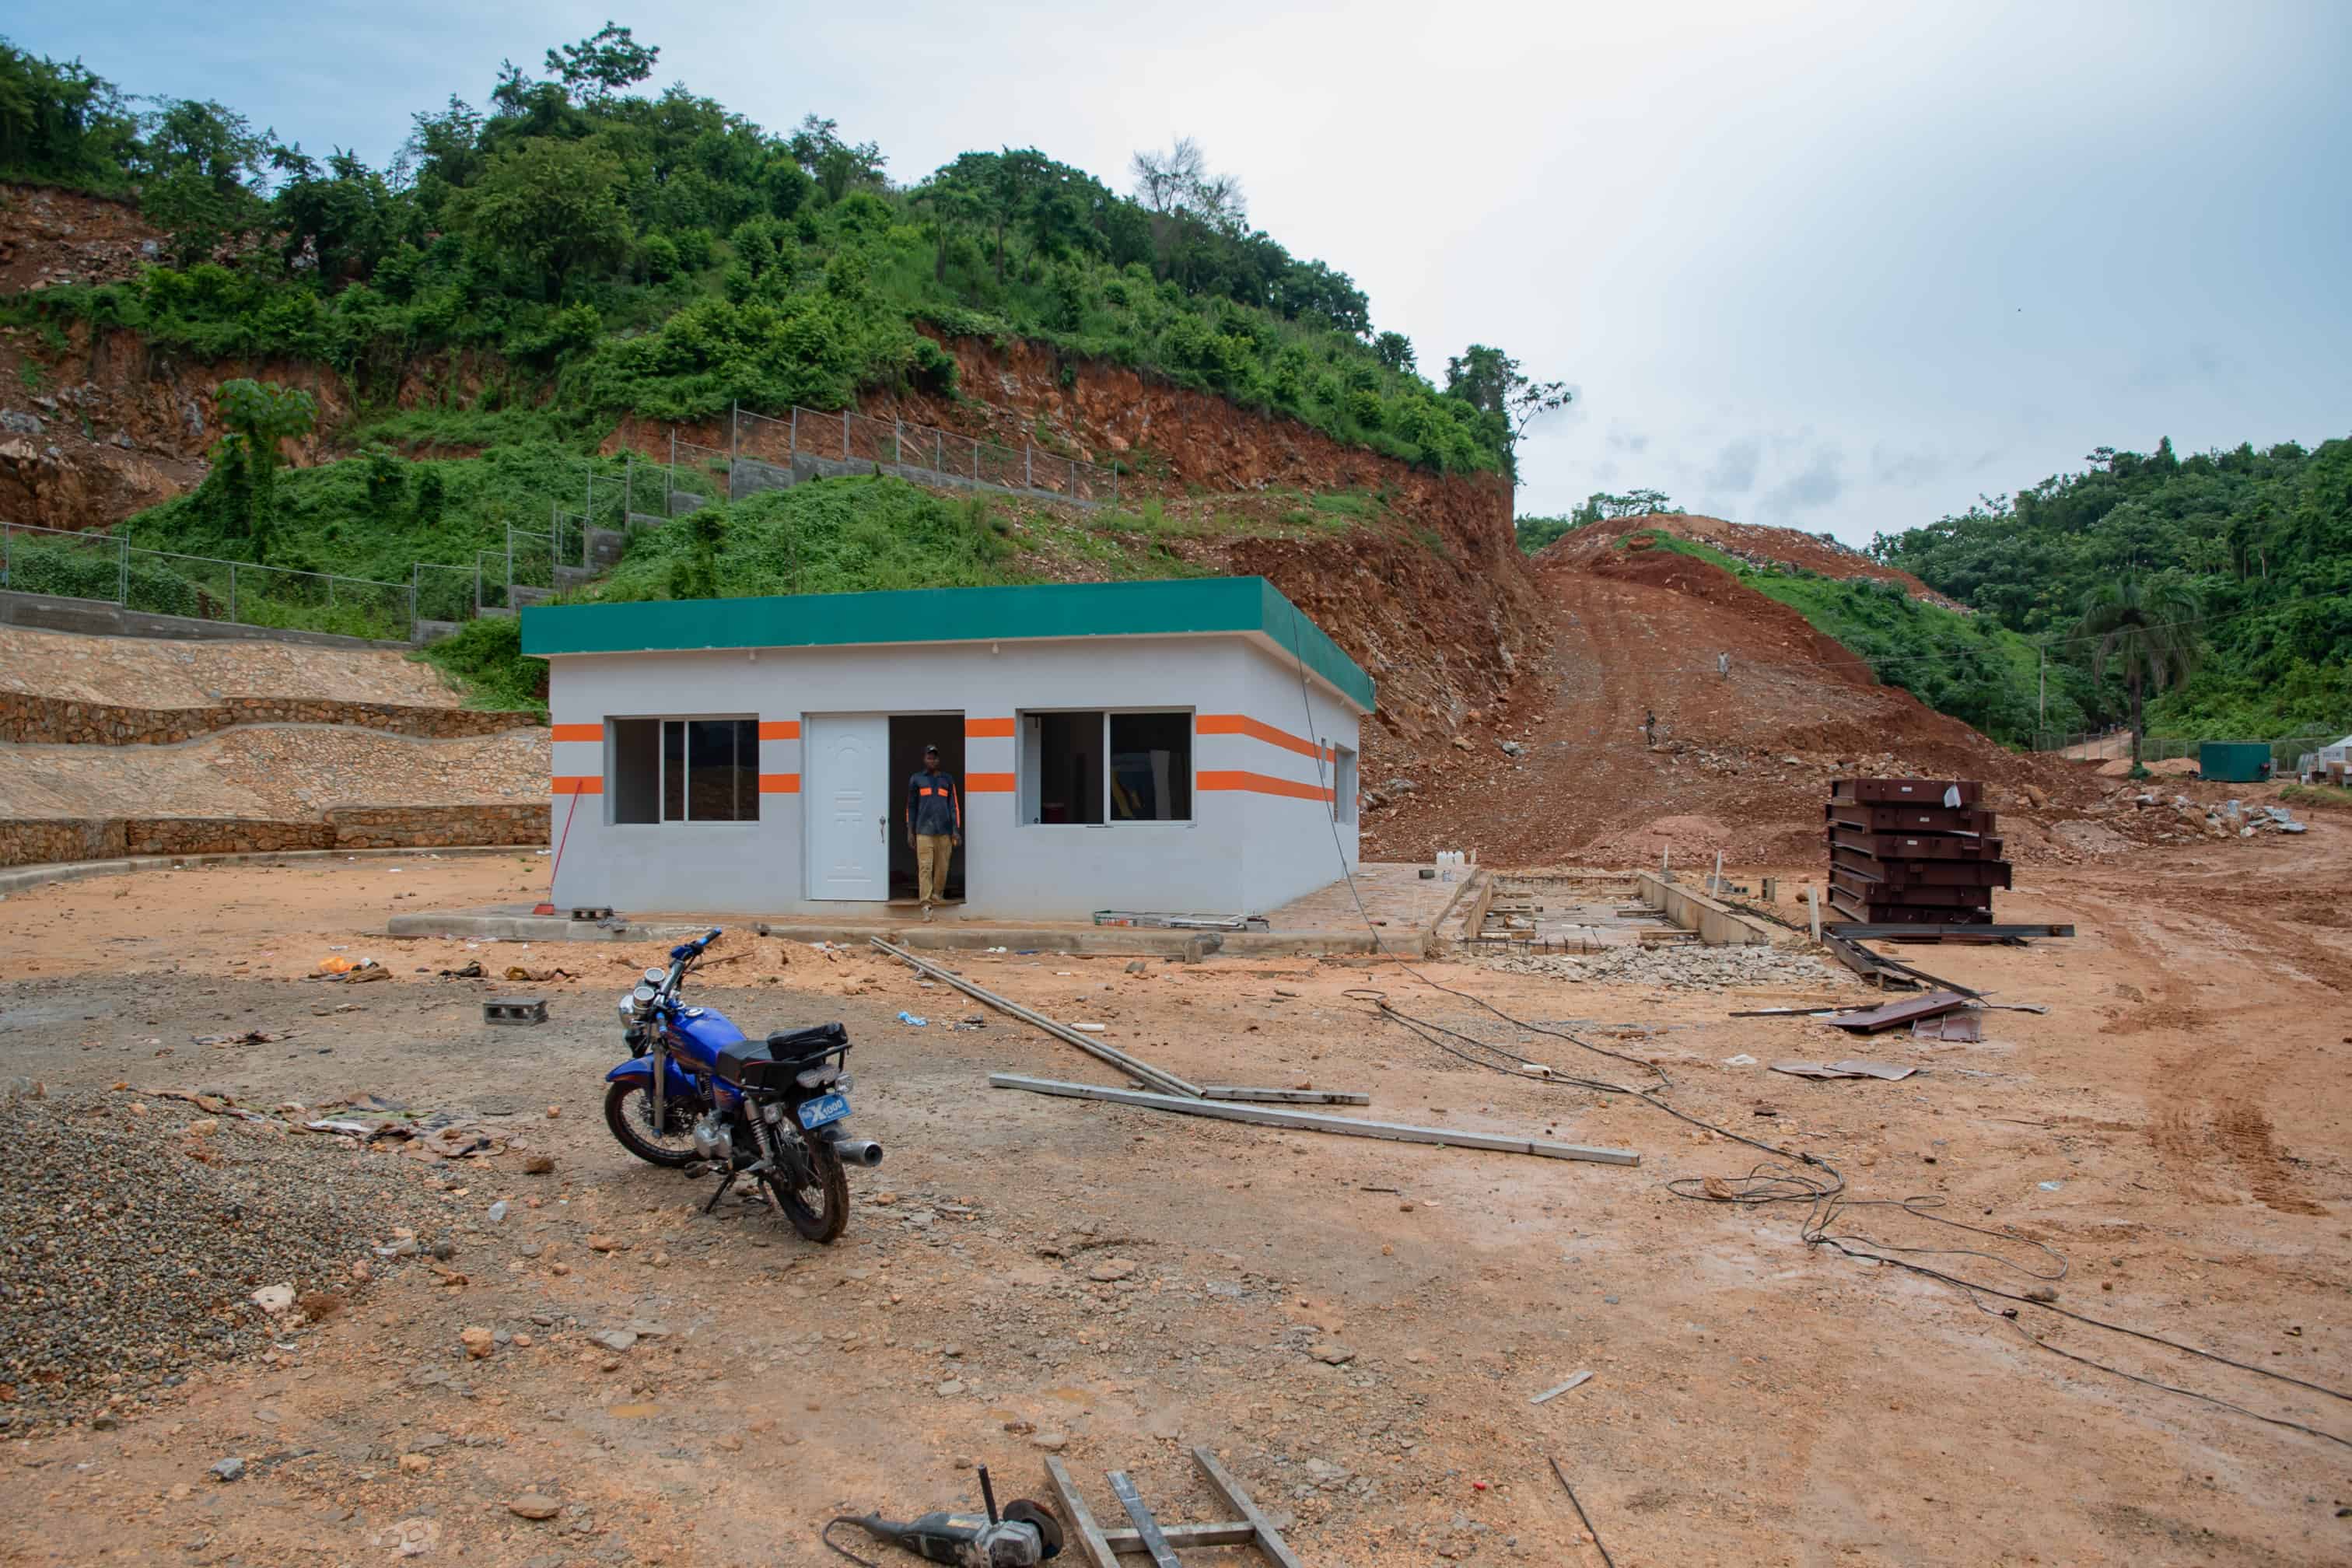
(705, 1033)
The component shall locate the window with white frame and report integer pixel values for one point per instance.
(684, 770)
(1093, 767)
(1343, 784)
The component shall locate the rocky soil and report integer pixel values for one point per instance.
(276, 772)
(152, 672)
(140, 1237)
(1359, 1327)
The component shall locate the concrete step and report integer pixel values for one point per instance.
(570, 578)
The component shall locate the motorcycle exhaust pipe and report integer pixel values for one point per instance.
(858, 1152)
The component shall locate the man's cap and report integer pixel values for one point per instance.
(930, 750)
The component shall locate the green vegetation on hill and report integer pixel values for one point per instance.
(848, 535)
(1967, 665)
(2262, 539)
(662, 255)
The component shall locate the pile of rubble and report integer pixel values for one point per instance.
(2230, 819)
(1678, 967)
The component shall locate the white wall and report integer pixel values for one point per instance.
(1291, 840)
(1244, 852)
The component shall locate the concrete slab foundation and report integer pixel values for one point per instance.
(1717, 925)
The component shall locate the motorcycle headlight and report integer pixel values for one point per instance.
(627, 1007)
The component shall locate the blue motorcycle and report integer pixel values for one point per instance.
(695, 1090)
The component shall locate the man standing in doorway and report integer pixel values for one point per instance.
(934, 827)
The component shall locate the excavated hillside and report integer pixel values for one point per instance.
(1757, 544)
(1741, 761)
(1428, 592)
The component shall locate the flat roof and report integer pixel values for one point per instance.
(1028, 613)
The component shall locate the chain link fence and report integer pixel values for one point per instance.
(107, 568)
(2112, 745)
(918, 452)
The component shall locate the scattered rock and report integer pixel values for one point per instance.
(616, 1340)
(478, 1343)
(273, 1298)
(530, 1505)
(1110, 1270)
(1331, 1354)
(229, 1469)
(539, 1165)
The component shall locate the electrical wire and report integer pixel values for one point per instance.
(1819, 1185)
(825, 1535)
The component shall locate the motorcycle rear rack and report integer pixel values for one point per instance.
(1159, 1542)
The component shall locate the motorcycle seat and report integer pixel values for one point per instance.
(774, 1060)
(802, 1047)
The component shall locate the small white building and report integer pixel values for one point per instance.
(1184, 746)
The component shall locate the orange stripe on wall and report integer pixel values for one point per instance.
(988, 729)
(580, 783)
(988, 783)
(780, 784)
(1243, 724)
(1258, 783)
(577, 731)
(780, 729)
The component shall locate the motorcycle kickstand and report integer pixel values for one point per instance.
(721, 1193)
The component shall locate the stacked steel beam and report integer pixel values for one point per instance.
(1912, 852)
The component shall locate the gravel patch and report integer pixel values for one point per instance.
(1678, 968)
(132, 1243)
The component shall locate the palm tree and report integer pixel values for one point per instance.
(2145, 627)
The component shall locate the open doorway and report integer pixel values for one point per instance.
(909, 733)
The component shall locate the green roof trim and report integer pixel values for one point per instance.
(1248, 606)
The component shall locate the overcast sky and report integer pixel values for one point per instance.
(1838, 267)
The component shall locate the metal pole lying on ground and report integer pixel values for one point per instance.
(1307, 1122)
(1096, 1048)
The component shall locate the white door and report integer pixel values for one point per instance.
(848, 801)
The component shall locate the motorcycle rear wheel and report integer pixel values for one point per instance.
(821, 1210)
(629, 1112)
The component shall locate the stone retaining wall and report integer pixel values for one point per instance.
(27, 841)
(27, 717)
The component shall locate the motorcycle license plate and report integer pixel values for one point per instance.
(815, 1113)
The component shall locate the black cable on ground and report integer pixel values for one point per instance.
(1769, 1184)
(825, 1535)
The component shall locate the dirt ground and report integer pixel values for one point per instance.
(2174, 1127)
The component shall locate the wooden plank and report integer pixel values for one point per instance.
(1576, 1382)
(1078, 1516)
(1147, 1529)
(1287, 1096)
(1162, 1079)
(1185, 1537)
(1269, 1540)
(1307, 1121)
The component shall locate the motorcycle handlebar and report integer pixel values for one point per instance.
(686, 950)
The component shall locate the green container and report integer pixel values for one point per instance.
(2234, 761)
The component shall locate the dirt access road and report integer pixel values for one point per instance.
(1029, 1274)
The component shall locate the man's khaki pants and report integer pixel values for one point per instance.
(932, 852)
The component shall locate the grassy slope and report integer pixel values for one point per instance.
(854, 534)
(1967, 665)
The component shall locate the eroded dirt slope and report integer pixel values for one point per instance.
(1742, 761)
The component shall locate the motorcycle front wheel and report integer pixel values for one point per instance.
(629, 1112)
(820, 1210)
